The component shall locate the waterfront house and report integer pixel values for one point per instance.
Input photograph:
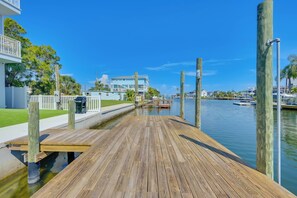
(203, 93)
(192, 94)
(123, 83)
(10, 49)
(106, 95)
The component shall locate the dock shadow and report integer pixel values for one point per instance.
(218, 151)
(181, 122)
(43, 137)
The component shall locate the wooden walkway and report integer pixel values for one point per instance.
(61, 140)
(154, 156)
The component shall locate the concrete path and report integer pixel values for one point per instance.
(19, 130)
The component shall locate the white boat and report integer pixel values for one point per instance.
(243, 103)
(253, 102)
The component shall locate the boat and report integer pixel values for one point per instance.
(243, 103)
(253, 102)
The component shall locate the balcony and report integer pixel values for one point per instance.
(10, 50)
(10, 7)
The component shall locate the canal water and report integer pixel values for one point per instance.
(235, 128)
(231, 125)
(17, 186)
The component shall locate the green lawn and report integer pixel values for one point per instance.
(10, 117)
(16, 116)
(105, 103)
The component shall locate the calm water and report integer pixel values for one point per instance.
(235, 128)
(17, 186)
(231, 125)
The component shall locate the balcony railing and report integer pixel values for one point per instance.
(10, 46)
(15, 3)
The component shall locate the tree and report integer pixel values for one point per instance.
(16, 73)
(290, 71)
(37, 67)
(294, 90)
(69, 86)
(152, 92)
(98, 86)
(42, 61)
(130, 94)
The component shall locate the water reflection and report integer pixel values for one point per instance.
(16, 185)
(233, 126)
(289, 133)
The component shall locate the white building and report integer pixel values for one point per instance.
(10, 49)
(192, 94)
(123, 83)
(203, 93)
(294, 82)
(105, 95)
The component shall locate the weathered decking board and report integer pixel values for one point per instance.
(61, 140)
(154, 156)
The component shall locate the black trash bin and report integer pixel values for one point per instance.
(81, 104)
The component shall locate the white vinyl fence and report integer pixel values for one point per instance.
(49, 102)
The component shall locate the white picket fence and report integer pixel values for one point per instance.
(49, 102)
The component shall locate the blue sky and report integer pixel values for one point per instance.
(158, 38)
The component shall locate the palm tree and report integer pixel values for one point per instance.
(98, 86)
(290, 71)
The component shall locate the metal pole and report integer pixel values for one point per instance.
(278, 111)
(269, 43)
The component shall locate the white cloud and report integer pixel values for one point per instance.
(221, 60)
(66, 74)
(212, 62)
(204, 73)
(209, 73)
(170, 65)
(190, 73)
(104, 79)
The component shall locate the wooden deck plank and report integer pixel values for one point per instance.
(157, 156)
(228, 157)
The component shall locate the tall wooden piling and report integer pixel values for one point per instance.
(71, 114)
(264, 89)
(182, 95)
(33, 143)
(198, 93)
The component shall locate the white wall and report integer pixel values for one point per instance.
(16, 97)
(108, 95)
(2, 85)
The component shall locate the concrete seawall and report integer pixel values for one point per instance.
(11, 162)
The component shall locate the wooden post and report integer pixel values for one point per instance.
(71, 114)
(136, 85)
(198, 93)
(264, 89)
(33, 143)
(182, 95)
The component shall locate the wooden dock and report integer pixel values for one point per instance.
(156, 156)
(60, 140)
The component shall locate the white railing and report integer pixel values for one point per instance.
(15, 3)
(10, 46)
(49, 102)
